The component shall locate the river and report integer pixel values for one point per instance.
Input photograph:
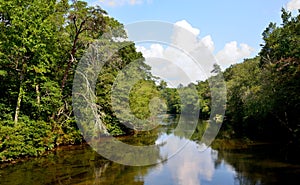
(194, 164)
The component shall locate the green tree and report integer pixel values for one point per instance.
(205, 98)
(84, 25)
(263, 92)
(27, 55)
(280, 60)
(41, 43)
(245, 105)
(122, 76)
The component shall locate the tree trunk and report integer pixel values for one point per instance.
(20, 96)
(71, 60)
(38, 97)
(38, 94)
(73, 52)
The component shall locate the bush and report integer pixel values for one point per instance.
(26, 138)
(68, 133)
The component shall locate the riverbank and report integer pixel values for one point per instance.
(257, 163)
(218, 144)
(83, 143)
(221, 143)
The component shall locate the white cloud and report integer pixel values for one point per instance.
(188, 166)
(185, 36)
(156, 50)
(123, 2)
(170, 64)
(177, 65)
(293, 5)
(232, 53)
(208, 42)
(184, 24)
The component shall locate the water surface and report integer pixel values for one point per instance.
(192, 165)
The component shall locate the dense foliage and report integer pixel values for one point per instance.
(42, 42)
(263, 92)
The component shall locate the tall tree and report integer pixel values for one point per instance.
(280, 59)
(84, 24)
(27, 40)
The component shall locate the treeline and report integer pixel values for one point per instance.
(263, 93)
(41, 44)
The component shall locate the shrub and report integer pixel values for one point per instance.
(26, 138)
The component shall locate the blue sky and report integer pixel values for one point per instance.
(232, 28)
(225, 20)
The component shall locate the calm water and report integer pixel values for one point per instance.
(80, 165)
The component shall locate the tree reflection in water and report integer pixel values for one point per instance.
(81, 165)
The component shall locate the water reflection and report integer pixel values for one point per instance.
(192, 165)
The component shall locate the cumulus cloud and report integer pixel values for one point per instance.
(232, 53)
(293, 5)
(208, 42)
(184, 24)
(178, 63)
(170, 64)
(185, 36)
(156, 50)
(123, 2)
(188, 166)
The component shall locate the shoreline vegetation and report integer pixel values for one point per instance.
(40, 47)
(218, 144)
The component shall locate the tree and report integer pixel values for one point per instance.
(122, 79)
(281, 42)
(41, 43)
(280, 59)
(84, 24)
(27, 52)
(246, 101)
(263, 92)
